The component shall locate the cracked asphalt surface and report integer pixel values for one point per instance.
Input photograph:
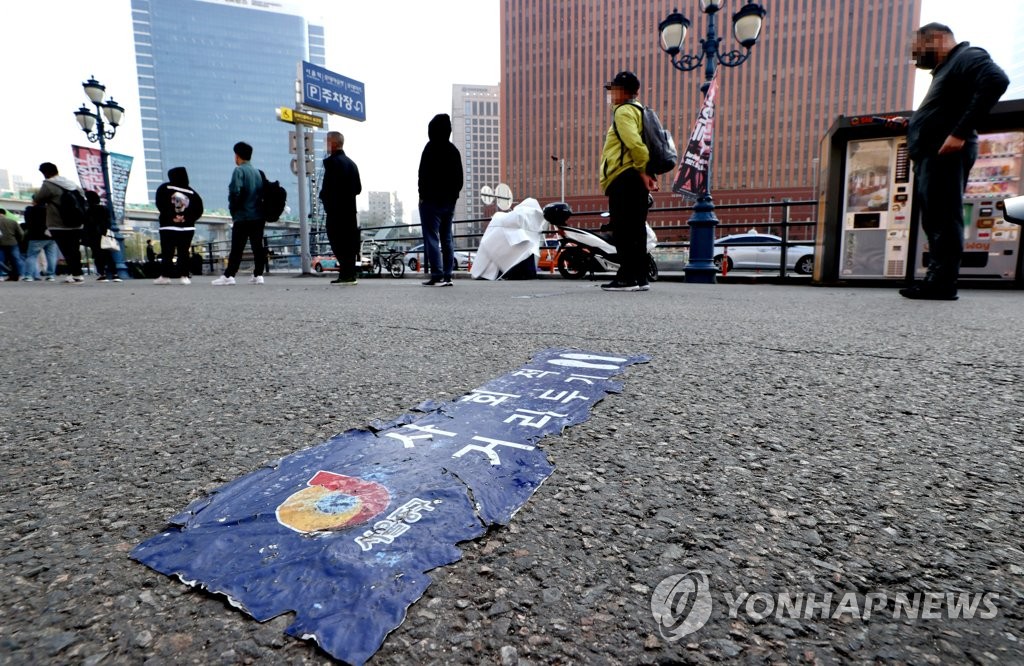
(783, 440)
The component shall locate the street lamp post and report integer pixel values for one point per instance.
(561, 166)
(96, 131)
(746, 28)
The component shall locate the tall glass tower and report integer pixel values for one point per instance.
(211, 73)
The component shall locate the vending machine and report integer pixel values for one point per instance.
(991, 244)
(868, 228)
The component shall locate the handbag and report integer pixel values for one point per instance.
(109, 242)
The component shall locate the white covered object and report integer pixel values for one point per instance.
(510, 238)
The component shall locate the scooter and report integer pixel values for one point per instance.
(583, 252)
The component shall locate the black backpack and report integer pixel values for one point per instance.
(272, 200)
(662, 149)
(72, 208)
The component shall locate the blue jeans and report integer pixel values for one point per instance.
(49, 248)
(10, 255)
(438, 244)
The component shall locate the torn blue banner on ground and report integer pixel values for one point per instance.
(344, 533)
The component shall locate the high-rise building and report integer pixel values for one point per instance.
(814, 61)
(1015, 68)
(211, 73)
(476, 133)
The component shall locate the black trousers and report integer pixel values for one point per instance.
(175, 242)
(251, 231)
(344, 239)
(627, 208)
(68, 242)
(103, 259)
(939, 183)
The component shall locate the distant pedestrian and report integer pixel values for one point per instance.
(11, 235)
(39, 240)
(338, 193)
(97, 224)
(247, 223)
(67, 233)
(942, 141)
(180, 207)
(196, 263)
(624, 179)
(440, 182)
(150, 252)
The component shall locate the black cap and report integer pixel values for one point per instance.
(625, 80)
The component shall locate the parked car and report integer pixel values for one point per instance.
(414, 258)
(326, 262)
(754, 251)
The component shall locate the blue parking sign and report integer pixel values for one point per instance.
(332, 92)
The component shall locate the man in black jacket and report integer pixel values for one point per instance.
(440, 181)
(338, 193)
(943, 143)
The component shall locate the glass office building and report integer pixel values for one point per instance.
(211, 73)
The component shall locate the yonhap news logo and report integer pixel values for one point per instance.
(682, 604)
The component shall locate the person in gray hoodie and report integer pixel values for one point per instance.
(67, 235)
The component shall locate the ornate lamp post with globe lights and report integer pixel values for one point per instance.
(96, 131)
(746, 28)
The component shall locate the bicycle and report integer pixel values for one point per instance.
(385, 257)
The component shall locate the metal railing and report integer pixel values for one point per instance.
(284, 248)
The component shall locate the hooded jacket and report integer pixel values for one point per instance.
(440, 175)
(49, 196)
(624, 147)
(964, 89)
(179, 205)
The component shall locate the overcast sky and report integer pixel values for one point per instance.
(408, 53)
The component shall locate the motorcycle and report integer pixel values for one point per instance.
(583, 252)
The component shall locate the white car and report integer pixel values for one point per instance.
(754, 251)
(414, 258)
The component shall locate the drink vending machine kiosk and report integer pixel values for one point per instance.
(868, 229)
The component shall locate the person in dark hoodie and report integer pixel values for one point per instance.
(440, 182)
(97, 224)
(338, 193)
(180, 206)
(942, 141)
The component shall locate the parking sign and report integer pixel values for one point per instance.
(332, 92)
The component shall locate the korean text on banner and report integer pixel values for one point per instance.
(90, 169)
(695, 167)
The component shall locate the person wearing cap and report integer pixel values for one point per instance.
(247, 223)
(626, 183)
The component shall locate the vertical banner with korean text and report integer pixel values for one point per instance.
(90, 169)
(120, 168)
(344, 533)
(692, 177)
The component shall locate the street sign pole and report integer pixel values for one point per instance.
(300, 159)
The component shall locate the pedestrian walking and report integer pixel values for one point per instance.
(11, 235)
(247, 222)
(180, 207)
(942, 141)
(338, 193)
(97, 224)
(67, 233)
(39, 240)
(626, 183)
(440, 182)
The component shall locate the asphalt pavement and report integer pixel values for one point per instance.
(783, 440)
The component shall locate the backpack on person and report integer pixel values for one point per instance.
(662, 149)
(72, 207)
(272, 199)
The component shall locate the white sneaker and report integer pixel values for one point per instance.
(69, 280)
(162, 280)
(78, 278)
(256, 279)
(185, 280)
(223, 280)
